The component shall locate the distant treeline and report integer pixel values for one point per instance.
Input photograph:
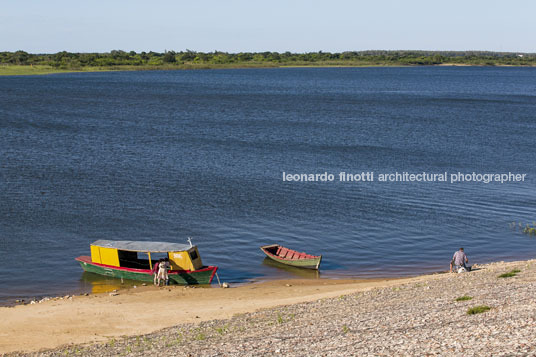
(68, 60)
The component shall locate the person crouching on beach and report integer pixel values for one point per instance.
(459, 260)
(162, 272)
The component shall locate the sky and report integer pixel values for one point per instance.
(50, 26)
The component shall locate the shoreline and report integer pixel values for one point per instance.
(106, 315)
(117, 286)
(98, 318)
(20, 70)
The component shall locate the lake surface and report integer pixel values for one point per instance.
(168, 155)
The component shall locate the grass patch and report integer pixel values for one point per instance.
(464, 298)
(280, 319)
(27, 70)
(345, 329)
(15, 70)
(222, 330)
(478, 309)
(510, 274)
(201, 337)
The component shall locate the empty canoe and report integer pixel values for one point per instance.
(291, 257)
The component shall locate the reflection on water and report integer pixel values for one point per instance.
(101, 284)
(297, 272)
(95, 283)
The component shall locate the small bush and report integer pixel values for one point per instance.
(510, 273)
(200, 337)
(222, 330)
(478, 309)
(464, 298)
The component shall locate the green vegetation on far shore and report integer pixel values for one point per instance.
(23, 63)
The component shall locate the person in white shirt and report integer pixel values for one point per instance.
(459, 260)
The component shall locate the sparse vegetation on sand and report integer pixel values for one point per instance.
(464, 298)
(478, 309)
(510, 274)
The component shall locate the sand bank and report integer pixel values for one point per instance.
(410, 316)
(99, 317)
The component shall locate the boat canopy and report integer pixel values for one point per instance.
(141, 246)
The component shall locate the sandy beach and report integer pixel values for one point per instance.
(99, 317)
(412, 316)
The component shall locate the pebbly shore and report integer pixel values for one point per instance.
(425, 317)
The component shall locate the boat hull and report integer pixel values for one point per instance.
(304, 263)
(312, 263)
(201, 276)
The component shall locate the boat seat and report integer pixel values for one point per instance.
(278, 251)
(283, 252)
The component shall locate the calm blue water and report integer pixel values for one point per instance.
(167, 155)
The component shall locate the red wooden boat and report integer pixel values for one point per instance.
(291, 257)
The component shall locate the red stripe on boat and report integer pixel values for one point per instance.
(87, 259)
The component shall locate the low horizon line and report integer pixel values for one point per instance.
(304, 52)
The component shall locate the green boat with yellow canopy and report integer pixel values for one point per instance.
(132, 260)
